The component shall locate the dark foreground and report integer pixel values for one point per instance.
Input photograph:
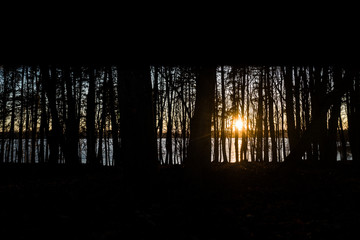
(247, 201)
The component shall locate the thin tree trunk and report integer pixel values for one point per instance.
(333, 121)
(21, 123)
(243, 147)
(43, 121)
(306, 109)
(259, 122)
(114, 125)
(72, 127)
(90, 121)
(236, 115)
(12, 124)
(102, 121)
(288, 80)
(4, 114)
(216, 126)
(270, 95)
(297, 103)
(35, 117)
(266, 127)
(169, 126)
(223, 111)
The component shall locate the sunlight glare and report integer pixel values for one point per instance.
(238, 123)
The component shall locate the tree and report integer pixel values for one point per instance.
(223, 111)
(55, 137)
(138, 137)
(199, 154)
(114, 124)
(270, 94)
(259, 121)
(314, 129)
(91, 158)
(4, 110)
(288, 83)
(72, 127)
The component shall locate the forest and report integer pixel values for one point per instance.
(256, 151)
(255, 113)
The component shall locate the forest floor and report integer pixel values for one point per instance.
(243, 201)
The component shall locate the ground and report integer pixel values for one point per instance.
(244, 201)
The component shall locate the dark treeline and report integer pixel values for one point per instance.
(169, 114)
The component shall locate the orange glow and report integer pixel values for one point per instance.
(238, 123)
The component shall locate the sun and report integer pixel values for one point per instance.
(238, 123)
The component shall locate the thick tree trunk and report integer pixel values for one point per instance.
(138, 137)
(199, 154)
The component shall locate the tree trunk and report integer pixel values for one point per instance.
(137, 120)
(314, 129)
(169, 126)
(90, 121)
(243, 147)
(4, 114)
(270, 95)
(72, 127)
(259, 122)
(21, 123)
(266, 126)
(114, 125)
(306, 108)
(223, 111)
(55, 137)
(12, 123)
(199, 154)
(333, 121)
(35, 117)
(216, 126)
(43, 120)
(354, 118)
(288, 80)
(235, 114)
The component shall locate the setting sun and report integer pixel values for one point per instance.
(238, 123)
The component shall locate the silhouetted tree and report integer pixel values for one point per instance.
(4, 109)
(114, 122)
(288, 83)
(90, 121)
(259, 121)
(72, 127)
(223, 112)
(138, 138)
(199, 154)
